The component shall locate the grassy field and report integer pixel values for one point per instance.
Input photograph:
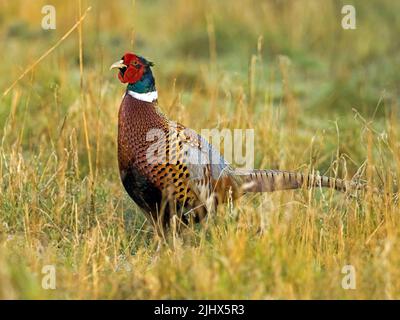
(318, 97)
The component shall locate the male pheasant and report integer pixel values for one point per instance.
(168, 169)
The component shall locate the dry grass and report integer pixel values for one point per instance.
(318, 98)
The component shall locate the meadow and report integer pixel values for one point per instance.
(317, 96)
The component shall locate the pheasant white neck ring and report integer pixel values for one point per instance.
(147, 96)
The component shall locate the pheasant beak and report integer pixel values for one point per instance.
(119, 65)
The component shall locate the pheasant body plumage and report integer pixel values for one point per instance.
(169, 169)
(180, 167)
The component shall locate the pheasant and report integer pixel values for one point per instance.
(170, 170)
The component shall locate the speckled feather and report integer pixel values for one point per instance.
(181, 173)
(176, 169)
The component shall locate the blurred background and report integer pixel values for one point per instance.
(318, 97)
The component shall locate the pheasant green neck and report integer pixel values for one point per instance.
(144, 89)
(145, 84)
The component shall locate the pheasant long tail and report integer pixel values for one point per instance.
(275, 180)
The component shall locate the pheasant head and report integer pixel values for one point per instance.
(136, 71)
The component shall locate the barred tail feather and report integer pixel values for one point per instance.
(274, 180)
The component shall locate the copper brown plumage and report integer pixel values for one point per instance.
(168, 169)
(172, 173)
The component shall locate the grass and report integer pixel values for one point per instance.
(317, 96)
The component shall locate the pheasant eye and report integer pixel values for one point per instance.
(135, 64)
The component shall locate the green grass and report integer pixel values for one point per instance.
(317, 96)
